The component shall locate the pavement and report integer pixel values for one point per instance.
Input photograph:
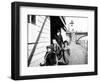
(78, 55)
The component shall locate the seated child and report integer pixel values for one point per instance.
(50, 57)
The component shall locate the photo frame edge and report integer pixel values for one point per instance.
(15, 43)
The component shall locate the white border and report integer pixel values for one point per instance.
(24, 70)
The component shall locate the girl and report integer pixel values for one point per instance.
(66, 52)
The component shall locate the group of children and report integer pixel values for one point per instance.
(57, 54)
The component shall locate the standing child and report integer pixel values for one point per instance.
(66, 52)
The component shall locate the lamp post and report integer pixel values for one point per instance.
(70, 25)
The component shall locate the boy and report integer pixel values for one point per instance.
(50, 57)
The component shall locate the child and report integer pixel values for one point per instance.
(50, 57)
(66, 52)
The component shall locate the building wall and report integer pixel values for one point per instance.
(44, 40)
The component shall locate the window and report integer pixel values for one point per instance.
(32, 19)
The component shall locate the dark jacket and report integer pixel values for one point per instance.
(50, 58)
(59, 40)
